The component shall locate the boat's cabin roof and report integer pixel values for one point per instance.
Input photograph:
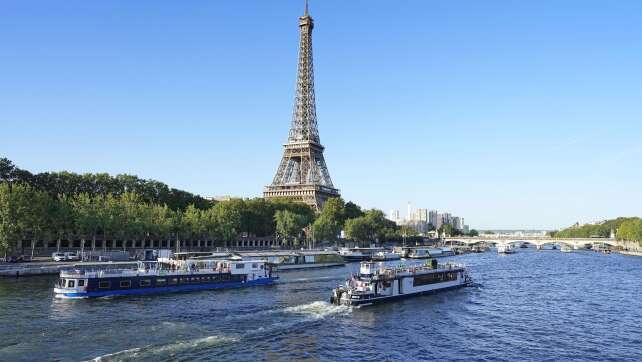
(192, 254)
(424, 247)
(260, 254)
(317, 252)
(369, 268)
(366, 249)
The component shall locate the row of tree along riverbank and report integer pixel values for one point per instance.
(625, 229)
(48, 208)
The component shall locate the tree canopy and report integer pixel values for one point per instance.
(69, 183)
(54, 206)
(602, 230)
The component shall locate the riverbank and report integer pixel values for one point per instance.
(29, 269)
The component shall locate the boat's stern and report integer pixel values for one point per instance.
(340, 296)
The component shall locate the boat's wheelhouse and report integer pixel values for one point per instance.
(71, 284)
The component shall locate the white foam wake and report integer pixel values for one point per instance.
(305, 313)
(318, 309)
(166, 349)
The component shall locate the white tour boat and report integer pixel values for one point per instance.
(386, 256)
(506, 249)
(377, 283)
(566, 249)
(359, 254)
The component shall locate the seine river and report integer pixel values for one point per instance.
(531, 305)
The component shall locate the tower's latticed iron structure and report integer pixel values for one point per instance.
(302, 174)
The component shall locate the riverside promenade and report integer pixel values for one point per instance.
(16, 270)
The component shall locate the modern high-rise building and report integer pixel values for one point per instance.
(420, 215)
(302, 174)
(446, 218)
(432, 218)
(458, 223)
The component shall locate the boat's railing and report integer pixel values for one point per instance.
(79, 274)
(392, 272)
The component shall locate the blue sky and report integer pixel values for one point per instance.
(509, 113)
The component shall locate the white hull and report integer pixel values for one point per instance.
(506, 249)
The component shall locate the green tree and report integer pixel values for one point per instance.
(359, 229)
(630, 230)
(331, 220)
(87, 219)
(10, 215)
(407, 231)
(352, 210)
(371, 227)
(7, 172)
(62, 220)
(380, 224)
(227, 217)
(37, 220)
(446, 229)
(289, 226)
(163, 221)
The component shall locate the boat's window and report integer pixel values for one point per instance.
(62, 282)
(81, 283)
(125, 283)
(173, 281)
(240, 266)
(255, 265)
(145, 283)
(71, 283)
(104, 285)
(161, 281)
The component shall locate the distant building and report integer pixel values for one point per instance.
(424, 219)
(394, 215)
(458, 223)
(409, 214)
(420, 215)
(432, 218)
(223, 198)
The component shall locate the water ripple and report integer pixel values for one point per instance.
(544, 306)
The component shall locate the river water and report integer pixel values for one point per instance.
(531, 305)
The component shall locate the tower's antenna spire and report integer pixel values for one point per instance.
(306, 8)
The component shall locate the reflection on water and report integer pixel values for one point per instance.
(530, 305)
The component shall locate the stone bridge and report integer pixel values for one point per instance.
(535, 240)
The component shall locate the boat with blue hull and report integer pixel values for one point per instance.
(102, 280)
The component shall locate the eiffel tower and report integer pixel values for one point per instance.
(302, 174)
